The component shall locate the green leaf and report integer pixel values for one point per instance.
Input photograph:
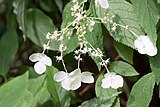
(71, 43)
(8, 49)
(66, 15)
(124, 52)
(123, 12)
(38, 87)
(154, 62)
(142, 91)
(60, 97)
(26, 100)
(123, 68)
(11, 92)
(67, 18)
(98, 102)
(147, 15)
(20, 11)
(38, 25)
(59, 4)
(116, 103)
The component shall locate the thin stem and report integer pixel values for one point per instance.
(64, 66)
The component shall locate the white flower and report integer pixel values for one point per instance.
(103, 3)
(41, 61)
(112, 80)
(145, 46)
(72, 81)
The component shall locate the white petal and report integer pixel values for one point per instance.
(35, 57)
(106, 82)
(152, 51)
(60, 76)
(66, 84)
(75, 73)
(46, 60)
(140, 45)
(116, 82)
(40, 68)
(76, 83)
(145, 46)
(109, 75)
(104, 3)
(87, 77)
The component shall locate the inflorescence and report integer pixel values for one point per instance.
(72, 80)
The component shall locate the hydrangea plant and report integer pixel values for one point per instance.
(110, 34)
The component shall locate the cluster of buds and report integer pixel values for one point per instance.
(79, 15)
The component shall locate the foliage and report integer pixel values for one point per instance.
(96, 37)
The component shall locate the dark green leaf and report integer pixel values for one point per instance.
(12, 92)
(59, 4)
(66, 16)
(125, 52)
(154, 62)
(8, 49)
(20, 11)
(147, 14)
(123, 68)
(142, 91)
(38, 25)
(60, 97)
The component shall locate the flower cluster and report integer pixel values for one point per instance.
(74, 79)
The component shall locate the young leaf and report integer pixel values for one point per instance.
(11, 92)
(142, 91)
(8, 49)
(123, 14)
(60, 97)
(125, 52)
(123, 68)
(148, 15)
(20, 11)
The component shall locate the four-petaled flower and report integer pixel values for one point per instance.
(112, 80)
(145, 46)
(103, 3)
(72, 81)
(41, 61)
